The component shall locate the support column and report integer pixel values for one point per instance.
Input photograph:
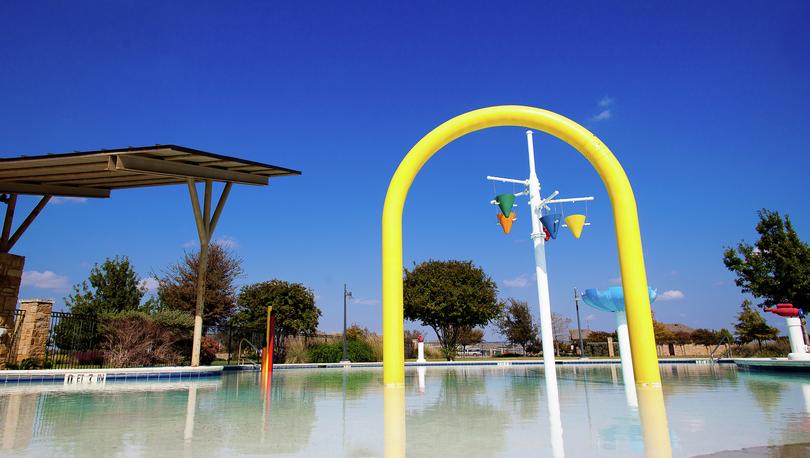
(205, 229)
(11, 269)
(34, 330)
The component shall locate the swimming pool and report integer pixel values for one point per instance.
(460, 411)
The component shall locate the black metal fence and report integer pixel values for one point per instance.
(76, 341)
(17, 320)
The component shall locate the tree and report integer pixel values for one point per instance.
(517, 324)
(113, 287)
(662, 333)
(705, 337)
(681, 338)
(559, 329)
(776, 268)
(751, 326)
(470, 336)
(177, 287)
(293, 307)
(449, 296)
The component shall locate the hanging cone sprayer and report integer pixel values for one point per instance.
(575, 224)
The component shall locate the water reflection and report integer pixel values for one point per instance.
(453, 411)
(461, 411)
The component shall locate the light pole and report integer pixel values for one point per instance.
(577, 297)
(346, 295)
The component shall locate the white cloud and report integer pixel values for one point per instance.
(361, 301)
(603, 115)
(590, 317)
(228, 242)
(44, 280)
(606, 102)
(615, 281)
(521, 281)
(225, 241)
(68, 200)
(671, 295)
(150, 283)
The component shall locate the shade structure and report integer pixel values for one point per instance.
(96, 173)
(611, 299)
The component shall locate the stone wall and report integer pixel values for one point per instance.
(11, 269)
(33, 334)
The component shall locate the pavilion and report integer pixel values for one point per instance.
(95, 174)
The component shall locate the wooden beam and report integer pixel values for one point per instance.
(209, 189)
(195, 205)
(51, 190)
(10, 206)
(179, 169)
(27, 222)
(36, 173)
(220, 204)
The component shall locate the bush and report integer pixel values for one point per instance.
(296, 350)
(325, 353)
(359, 352)
(134, 339)
(209, 347)
(90, 358)
(28, 364)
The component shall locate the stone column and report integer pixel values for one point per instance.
(34, 331)
(11, 269)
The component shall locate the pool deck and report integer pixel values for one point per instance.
(772, 365)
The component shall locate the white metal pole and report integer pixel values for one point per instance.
(627, 359)
(538, 237)
(546, 331)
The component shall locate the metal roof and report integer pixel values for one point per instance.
(96, 173)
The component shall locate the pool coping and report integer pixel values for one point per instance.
(772, 364)
(518, 362)
(108, 374)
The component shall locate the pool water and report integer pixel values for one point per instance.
(460, 411)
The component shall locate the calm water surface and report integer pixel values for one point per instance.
(460, 411)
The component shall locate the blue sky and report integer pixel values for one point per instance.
(705, 105)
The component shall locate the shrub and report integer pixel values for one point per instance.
(325, 353)
(359, 351)
(296, 350)
(133, 339)
(209, 347)
(90, 358)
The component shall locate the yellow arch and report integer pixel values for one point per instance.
(625, 215)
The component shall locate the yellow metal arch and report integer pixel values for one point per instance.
(625, 215)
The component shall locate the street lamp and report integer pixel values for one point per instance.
(577, 297)
(346, 295)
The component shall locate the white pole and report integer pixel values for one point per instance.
(798, 351)
(420, 355)
(627, 359)
(538, 237)
(546, 331)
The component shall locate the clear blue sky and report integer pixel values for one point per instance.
(705, 104)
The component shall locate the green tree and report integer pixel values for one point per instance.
(705, 337)
(470, 336)
(112, 287)
(662, 333)
(293, 307)
(449, 296)
(177, 286)
(751, 326)
(776, 268)
(517, 324)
